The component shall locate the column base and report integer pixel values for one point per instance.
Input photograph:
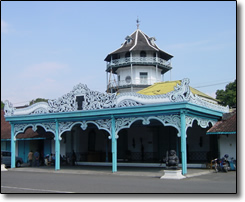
(3, 167)
(173, 174)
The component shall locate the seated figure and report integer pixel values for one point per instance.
(172, 159)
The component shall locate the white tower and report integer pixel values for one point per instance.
(138, 63)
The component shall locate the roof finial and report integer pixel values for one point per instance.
(138, 22)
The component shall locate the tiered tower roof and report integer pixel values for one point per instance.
(138, 40)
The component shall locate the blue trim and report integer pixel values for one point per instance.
(183, 142)
(113, 145)
(36, 138)
(220, 133)
(12, 147)
(57, 147)
(144, 110)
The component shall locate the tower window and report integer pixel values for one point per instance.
(116, 56)
(127, 55)
(142, 54)
(128, 79)
(128, 39)
(143, 77)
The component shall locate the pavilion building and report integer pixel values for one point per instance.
(139, 119)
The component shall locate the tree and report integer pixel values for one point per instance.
(227, 96)
(2, 105)
(38, 100)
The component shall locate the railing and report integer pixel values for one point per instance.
(143, 81)
(139, 60)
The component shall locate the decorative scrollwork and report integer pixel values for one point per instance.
(39, 111)
(104, 124)
(48, 127)
(202, 122)
(166, 120)
(93, 100)
(66, 126)
(181, 92)
(8, 108)
(129, 103)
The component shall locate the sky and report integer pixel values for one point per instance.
(49, 47)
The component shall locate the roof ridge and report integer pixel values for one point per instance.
(136, 39)
(147, 40)
(121, 44)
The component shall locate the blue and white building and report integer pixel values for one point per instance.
(129, 124)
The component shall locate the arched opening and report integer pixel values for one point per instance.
(201, 148)
(146, 143)
(29, 140)
(89, 145)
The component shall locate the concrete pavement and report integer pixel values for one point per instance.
(106, 170)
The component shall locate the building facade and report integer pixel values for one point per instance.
(125, 125)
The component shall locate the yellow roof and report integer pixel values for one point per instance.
(168, 86)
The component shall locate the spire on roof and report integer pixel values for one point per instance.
(137, 21)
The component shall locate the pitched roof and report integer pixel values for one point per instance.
(29, 133)
(139, 41)
(226, 126)
(168, 86)
(5, 127)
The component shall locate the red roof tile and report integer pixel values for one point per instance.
(225, 125)
(29, 133)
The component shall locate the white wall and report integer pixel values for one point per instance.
(153, 77)
(227, 145)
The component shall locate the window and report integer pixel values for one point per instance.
(128, 39)
(128, 79)
(143, 77)
(79, 100)
(142, 54)
(116, 56)
(127, 55)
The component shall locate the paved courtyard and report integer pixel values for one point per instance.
(87, 179)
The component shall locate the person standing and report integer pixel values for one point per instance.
(30, 157)
(36, 155)
(73, 158)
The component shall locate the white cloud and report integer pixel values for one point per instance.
(4, 27)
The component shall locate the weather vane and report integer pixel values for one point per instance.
(138, 22)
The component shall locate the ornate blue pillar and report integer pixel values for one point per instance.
(57, 146)
(113, 145)
(12, 147)
(183, 142)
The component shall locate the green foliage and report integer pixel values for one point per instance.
(2, 105)
(38, 100)
(227, 96)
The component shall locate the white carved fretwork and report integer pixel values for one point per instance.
(93, 100)
(48, 127)
(166, 120)
(8, 108)
(102, 124)
(202, 122)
